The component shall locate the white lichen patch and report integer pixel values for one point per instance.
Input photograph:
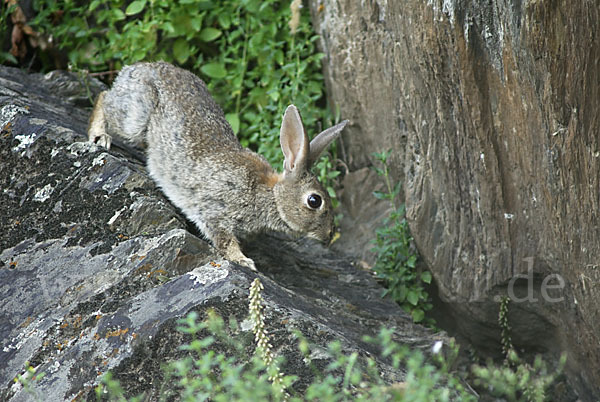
(81, 147)
(38, 122)
(22, 337)
(153, 243)
(8, 113)
(99, 160)
(318, 353)
(44, 193)
(57, 207)
(209, 273)
(247, 325)
(25, 141)
(54, 367)
(116, 216)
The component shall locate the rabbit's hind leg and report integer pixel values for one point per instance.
(97, 126)
(129, 104)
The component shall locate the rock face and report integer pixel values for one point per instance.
(96, 265)
(492, 111)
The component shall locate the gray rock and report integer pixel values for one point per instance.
(491, 109)
(96, 266)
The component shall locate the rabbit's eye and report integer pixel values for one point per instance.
(314, 201)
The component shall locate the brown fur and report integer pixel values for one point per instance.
(192, 153)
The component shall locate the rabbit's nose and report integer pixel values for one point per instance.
(330, 236)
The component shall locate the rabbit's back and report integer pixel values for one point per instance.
(167, 107)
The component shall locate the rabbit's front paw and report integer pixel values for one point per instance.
(231, 250)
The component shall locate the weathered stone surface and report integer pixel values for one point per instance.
(96, 265)
(492, 111)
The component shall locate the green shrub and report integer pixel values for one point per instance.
(515, 380)
(253, 61)
(396, 255)
(220, 366)
(206, 374)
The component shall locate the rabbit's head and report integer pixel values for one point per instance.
(302, 202)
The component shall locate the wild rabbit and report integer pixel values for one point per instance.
(228, 191)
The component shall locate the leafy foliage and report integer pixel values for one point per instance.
(234, 376)
(5, 13)
(244, 49)
(519, 381)
(220, 366)
(516, 379)
(210, 375)
(396, 256)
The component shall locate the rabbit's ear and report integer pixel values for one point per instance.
(323, 140)
(294, 142)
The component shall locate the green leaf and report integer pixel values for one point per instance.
(401, 293)
(9, 57)
(167, 27)
(118, 15)
(182, 23)
(331, 192)
(214, 70)
(253, 5)
(93, 5)
(135, 7)
(181, 50)
(224, 20)
(417, 315)
(426, 277)
(138, 54)
(234, 121)
(210, 34)
(380, 195)
(196, 22)
(412, 297)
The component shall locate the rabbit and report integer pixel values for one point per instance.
(226, 190)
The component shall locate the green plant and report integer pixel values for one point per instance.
(28, 379)
(257, 56)
(516, 379)
(425, 379)
(5, 34)
(505, 338)
(396, 256)
(218, 376)
(261, 337)
(235, 375)
(215, 376)
(111, 389)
